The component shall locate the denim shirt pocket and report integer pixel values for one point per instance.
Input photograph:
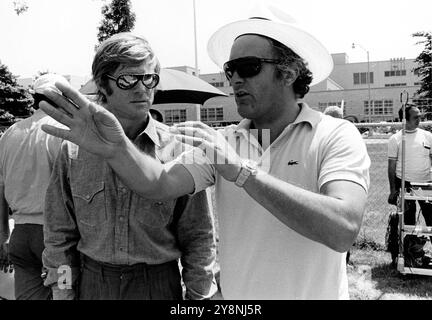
(89, 201)
(153, 213)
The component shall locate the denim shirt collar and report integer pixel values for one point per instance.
(151, 131)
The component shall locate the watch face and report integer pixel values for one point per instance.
(248, 168)
(251, 166)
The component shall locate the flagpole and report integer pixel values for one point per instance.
(195, 39)
(197, 106)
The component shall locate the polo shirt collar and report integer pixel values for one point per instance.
(307, 115)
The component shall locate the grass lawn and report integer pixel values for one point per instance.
(371, 278)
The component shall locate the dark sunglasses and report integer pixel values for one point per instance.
(246, 67)
(128, 81)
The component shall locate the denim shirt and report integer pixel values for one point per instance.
(89, 210)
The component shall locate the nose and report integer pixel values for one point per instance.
(236, 79)
(140, 87)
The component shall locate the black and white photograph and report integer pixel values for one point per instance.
(215, 155)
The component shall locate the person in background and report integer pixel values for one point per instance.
(334, 111)
(418, 155)
(27, 155)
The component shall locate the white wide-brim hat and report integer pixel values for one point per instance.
(319, 61)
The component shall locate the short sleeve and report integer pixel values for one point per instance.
(197, 164)
(345, 157)
(392, 148)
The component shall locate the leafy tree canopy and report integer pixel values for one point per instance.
(14, 100)
(424, 62)
(117, 17)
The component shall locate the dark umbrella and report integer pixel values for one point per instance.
(174, 87)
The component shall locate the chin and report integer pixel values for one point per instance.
(245, 111)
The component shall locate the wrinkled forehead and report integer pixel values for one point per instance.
(148, 66)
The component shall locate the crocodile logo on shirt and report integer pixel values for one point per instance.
(292, 162)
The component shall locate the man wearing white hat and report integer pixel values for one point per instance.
(26, 157)
(290, 184)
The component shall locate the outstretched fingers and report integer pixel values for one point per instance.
(192, 131)
(78, 99)
(55, 113)
(193, 141)
(57, 132)
(60, 101)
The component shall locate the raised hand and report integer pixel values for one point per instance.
(217, 149)
(91, 126)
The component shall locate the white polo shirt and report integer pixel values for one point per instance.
(260, 257)
(418, 151)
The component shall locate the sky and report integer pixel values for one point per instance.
(60, 35)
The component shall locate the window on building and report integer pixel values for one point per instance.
(219, 114)
(217, 84)
(175, 116)
(356, 78)
(361, 77)
(379, 107)
(395, 84)
(394, 73)
(211, 114)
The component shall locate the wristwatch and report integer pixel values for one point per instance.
(248, 168)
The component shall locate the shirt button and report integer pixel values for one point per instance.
(121, 218)
(87, 197)
(122, 249)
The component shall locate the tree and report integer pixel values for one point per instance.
(424, 68)
(14, 100)
(20, 7)
(117, 17)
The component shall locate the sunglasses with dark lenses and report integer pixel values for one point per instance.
(128, 81)
(246, 67)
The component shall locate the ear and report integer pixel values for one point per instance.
(103, 91)
(290, 77)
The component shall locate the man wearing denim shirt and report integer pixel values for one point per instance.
(104, 241)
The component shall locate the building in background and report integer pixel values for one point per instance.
(346, 87)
